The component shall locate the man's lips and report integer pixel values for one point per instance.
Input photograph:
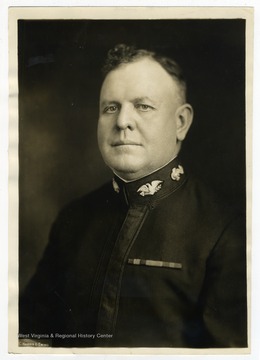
(125, 143)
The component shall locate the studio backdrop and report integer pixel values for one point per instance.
(60, 64)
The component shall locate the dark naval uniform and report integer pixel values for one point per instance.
(156, 262)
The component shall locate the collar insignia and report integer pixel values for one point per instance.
(177, 172)
(150, 189)
(115, 186)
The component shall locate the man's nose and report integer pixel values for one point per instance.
(125, 118)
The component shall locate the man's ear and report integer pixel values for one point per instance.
(184, 117)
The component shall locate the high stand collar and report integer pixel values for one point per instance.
(150, 189)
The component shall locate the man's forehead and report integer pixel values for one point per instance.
(144, 73)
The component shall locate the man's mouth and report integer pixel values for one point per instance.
(125, 143)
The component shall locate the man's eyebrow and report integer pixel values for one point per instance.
(139, 99)
(108, 102)
(143, 99)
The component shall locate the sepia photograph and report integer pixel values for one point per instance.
(132, 186)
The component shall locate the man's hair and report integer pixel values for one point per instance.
(125, 54)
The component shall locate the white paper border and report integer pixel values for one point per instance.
(4, 164)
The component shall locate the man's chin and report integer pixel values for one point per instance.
(127, 171)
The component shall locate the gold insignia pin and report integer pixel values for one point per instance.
(150, 189)
(176, 173)
(115, 186)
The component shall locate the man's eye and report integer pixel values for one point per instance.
(144, 107)
(111, 109)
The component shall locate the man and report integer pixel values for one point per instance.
(153, 258)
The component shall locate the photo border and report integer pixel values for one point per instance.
(66, 13)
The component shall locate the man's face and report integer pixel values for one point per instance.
(137, 121)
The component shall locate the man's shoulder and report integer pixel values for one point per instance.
(89, 202)
(100, 194)
(209, 202)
